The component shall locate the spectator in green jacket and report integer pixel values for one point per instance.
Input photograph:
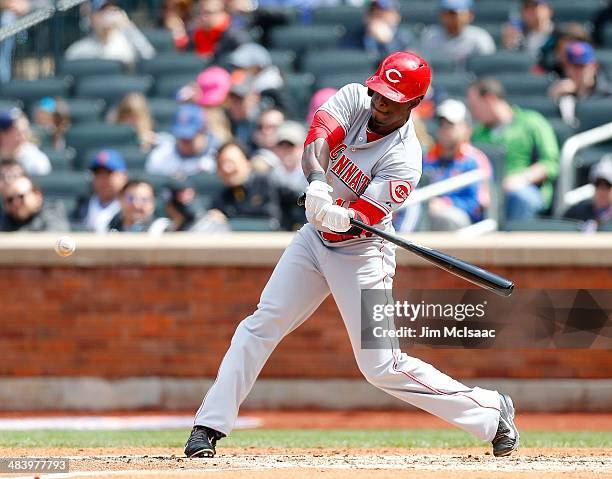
(532, 151)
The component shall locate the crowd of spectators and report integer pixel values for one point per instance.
(235, 121)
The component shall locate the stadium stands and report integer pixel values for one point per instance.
(284, 59)
(112, 88)
(168, 86)
(302, 38)
(61, 160)
(309, 49)
(592, 113)
(85, 110)
(87, 136)
(29, 91)
(501, 62)
(162, 40)
(347, 61)
(172, 62)
(86, 67)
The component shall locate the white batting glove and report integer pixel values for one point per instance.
(317, 196)
(336, 218)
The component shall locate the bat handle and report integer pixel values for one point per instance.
(301, 201)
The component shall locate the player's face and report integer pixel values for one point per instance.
(388, 115)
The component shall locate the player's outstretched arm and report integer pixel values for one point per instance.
(315, 158)
(325, 132)
(318, 192)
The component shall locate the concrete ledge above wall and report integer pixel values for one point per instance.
(97, 394)
(264, 249)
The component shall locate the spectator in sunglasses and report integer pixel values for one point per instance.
(9, 170)
(265, 138)
(25, 209)
(137, 209)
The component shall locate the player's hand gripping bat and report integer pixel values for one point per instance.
(472, 273)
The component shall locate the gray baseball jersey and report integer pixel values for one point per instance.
(381, 172)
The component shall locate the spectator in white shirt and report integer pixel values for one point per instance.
(95, 212)
(454, 36)
(113, 37)
(16, 143)
(190, 150)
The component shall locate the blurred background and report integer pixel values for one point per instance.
(203, 107)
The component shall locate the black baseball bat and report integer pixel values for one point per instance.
(470, 272)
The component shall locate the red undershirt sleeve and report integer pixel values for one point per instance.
(367, 212)
(325, 126)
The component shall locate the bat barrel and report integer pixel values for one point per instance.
(472, 273)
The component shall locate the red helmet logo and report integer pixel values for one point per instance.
(401, 77)
(396, 72)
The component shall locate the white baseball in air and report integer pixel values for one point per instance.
(65, 246)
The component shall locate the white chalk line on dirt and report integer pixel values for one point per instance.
(145, 472)
(591, 464)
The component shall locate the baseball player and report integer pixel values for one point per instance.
(362, 159)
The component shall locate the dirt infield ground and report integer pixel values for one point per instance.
(345, 462)
(471, 463)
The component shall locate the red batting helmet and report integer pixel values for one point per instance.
(401, 77)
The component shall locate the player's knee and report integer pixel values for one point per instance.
(253, 329)
(373, 373)
(376, 379)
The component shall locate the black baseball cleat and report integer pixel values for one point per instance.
(506, 439)
(202, 441)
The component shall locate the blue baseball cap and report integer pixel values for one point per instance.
(48, 104)
(109, 160)
(456, 5)
(385, 4)
(188, 122)
(8, 118)
(100, 4)
(580, 53)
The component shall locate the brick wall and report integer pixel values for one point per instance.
(177, 322)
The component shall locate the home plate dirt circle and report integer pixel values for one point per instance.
(336, 463)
